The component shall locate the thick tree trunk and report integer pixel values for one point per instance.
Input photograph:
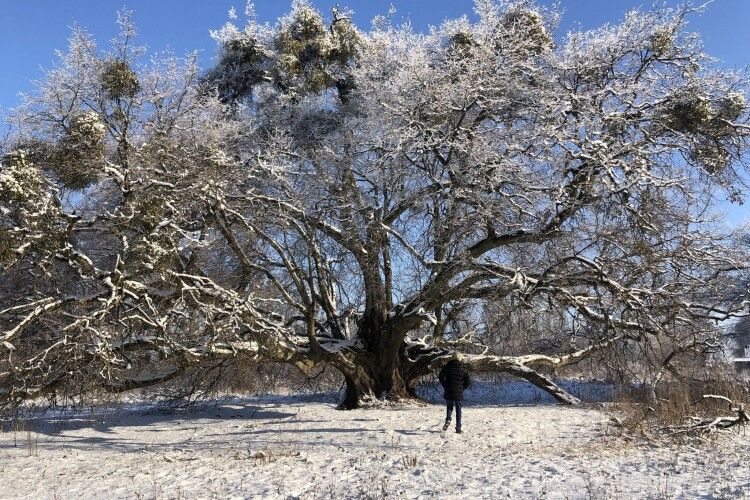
(377, 377)
(379, 367)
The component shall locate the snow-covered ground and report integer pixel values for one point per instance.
(298, 447)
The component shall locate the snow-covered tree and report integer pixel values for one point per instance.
(367, 200)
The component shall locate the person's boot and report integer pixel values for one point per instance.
(446, 425)
(459, 431)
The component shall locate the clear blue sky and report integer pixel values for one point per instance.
(30, 30)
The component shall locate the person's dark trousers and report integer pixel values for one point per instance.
(449, 404)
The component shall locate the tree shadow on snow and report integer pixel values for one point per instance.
(259, 420)
(149, 418)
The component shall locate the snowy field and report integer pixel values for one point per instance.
(301, 447)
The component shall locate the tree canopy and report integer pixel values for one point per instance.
(371, 201)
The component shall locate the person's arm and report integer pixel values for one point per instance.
(467, 380)
(441, 376)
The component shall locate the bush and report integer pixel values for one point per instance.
(674, 403)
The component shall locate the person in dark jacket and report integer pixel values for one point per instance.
(454, 378)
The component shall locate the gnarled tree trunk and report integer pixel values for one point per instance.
(392, 366)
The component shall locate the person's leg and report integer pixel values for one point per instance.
(458, 415)
(448, 413)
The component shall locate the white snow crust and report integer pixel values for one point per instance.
(295, 447)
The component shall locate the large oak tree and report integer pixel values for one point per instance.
(326, 196)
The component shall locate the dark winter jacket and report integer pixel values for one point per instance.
(454, 378)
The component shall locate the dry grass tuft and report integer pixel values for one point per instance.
(676, 404)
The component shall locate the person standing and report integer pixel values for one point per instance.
(454, 377)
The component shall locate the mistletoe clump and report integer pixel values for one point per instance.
(461, 45)
(345, 41)
(712, 157)
(302, 44)
(28, 217)
(81, 151)
(530, 30)
(17, 182)
(301, 55)
(731, 106)
(310, 51)
(241, 67)
(661, 42)
(302, 41)
(688, 113)
(19, 179)
(119, 80)
(245, 50)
